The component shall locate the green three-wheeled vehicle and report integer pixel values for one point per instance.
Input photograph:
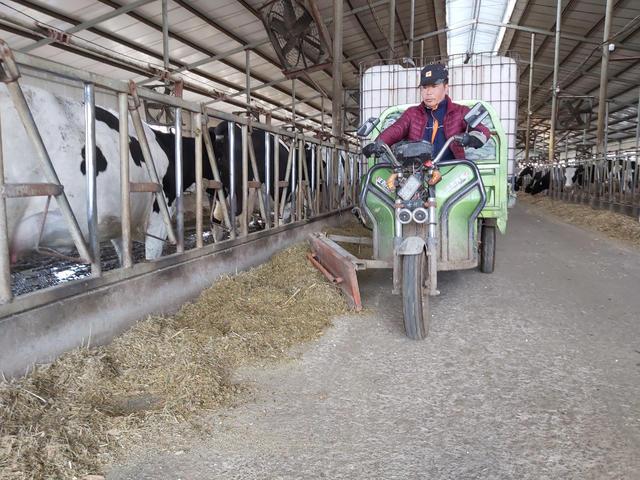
(426, 215)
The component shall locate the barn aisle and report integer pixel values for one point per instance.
(529, 373)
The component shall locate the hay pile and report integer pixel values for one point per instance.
(614, 225)
(67, 420)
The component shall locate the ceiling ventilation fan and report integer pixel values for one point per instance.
(298, 35)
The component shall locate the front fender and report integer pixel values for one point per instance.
(411, 246)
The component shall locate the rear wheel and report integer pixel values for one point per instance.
(415, 297)
(487, 248)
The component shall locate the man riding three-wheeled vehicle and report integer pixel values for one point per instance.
(434, 194)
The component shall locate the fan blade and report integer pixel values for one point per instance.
(291, 42)
(310, 50)
(289, 13)
(279, 27)
(302, 24)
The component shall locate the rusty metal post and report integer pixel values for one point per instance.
(554, 98)
(125, 190)
(91, 176)
(5, 259)
(604, 81)
(196, 125)
(528, 132)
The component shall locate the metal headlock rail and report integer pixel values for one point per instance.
(610, 182)
(329, 186)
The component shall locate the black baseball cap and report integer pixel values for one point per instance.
(434, 74)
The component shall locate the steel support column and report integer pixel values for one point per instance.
(554, 98)
(392, 29)
(412, 22)
(528, 133)
(247, 73)
(165, 35)
(606, 130)
(293, 103)
(336, 115)
(604, 67)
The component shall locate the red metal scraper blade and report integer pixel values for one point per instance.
(337, 265)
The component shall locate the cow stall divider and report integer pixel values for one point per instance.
(319, 177)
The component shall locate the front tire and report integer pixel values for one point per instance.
(487, 248)
(415, 297)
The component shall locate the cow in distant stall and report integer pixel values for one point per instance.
(540, 183)
(527, 171)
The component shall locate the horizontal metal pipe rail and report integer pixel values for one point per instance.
(329, 185)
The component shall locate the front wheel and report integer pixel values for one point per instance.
(415, 297)
(487, 248)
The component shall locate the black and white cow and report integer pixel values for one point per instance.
(61, 122)
(521, 176)
(258, 138)
(539, 184)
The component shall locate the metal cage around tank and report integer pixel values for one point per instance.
(480, 76)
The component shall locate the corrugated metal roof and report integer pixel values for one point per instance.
(200, 29)
(579, 72)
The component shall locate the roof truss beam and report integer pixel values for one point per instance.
(199, 48)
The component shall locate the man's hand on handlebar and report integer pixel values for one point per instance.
(376, 148)
(472, 139)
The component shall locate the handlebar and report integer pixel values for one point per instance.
(456, 138)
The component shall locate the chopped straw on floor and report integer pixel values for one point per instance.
(614, 225)
(67, 419)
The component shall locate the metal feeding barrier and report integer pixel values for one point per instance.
(610, 182)
(326, 184)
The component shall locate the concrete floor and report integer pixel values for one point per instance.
(530, 373)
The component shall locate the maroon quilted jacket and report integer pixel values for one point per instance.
(410, 126)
